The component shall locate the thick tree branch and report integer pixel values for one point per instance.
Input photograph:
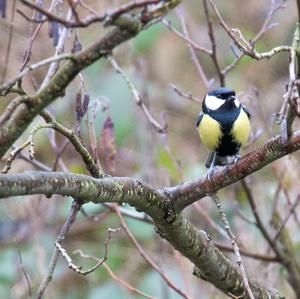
(28, 107)
(194, 244)
(164, 206)
(24, 114)
(189, 192)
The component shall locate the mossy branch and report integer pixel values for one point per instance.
(277, 147)
(25, 108)
(194, 244)
(164, 206)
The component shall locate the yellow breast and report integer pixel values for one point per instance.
(241, 128)
(210, 132)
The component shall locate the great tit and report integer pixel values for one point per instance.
(223, 126)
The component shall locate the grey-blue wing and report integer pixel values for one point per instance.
(210, 157)
(199, 118)
(246, 111)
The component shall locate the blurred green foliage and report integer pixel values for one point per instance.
(152, 61)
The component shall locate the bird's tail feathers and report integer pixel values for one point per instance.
(220, 160)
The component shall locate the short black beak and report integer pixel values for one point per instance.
(231, 98)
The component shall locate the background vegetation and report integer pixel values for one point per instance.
(161, 149)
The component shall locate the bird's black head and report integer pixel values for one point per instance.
(221, 98)
(223, 93)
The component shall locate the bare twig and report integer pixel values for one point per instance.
(145, 256)
(209, 220)
(11, 27)
(290, 107)
(242, 44)
(27, 52)
(4, 89)
(211, 35)
(131, 214)
(107, 17)
(125, 284)
(187, 95)
(234, 244)
(158, 127)
(36, 163)
(197, 47)
(58, 51)
(231, 66)
(287, 217)
(25, 274)
(13, 155)
(77, 269)
(194, 58)
(80, 148)
(275, 6)
(261, 257)
(66, 227)
(11, 107)
(99, 263)
(298, 8)
(259, 222)
(29, 143)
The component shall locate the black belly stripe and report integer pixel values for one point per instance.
(227, 146)
(226, 116)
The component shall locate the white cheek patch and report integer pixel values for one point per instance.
(237, 103)
(213, 103)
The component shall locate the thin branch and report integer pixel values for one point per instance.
(126, 27)
(8, 48)
(75, 141)
(266, 25)
(146, 257)
(77, 269)
(197, 47)
(209, 220)
(212, 38)
(58, 51)
(261, 257)
(242, 44)
(179, 232)
(298, 9)
(287, 217)
(141, 216)
(273, 149)
(32, 36)
(25, 274)
(259, 222)
(125, 284)
(138, 98)
(66, 227)
(10, 108)
(291, 107)
(234, 244)
(187, 95)
(231, 66)
(13, 155)
(107, 17)
(4, 89)
(36, 163)
(194, 58)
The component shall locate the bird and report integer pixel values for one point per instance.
(223, 126)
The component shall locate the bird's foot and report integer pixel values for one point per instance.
(210, 173)
(237, 157)
(212, 170)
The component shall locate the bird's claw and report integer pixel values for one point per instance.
(236, 158)
(210, 173)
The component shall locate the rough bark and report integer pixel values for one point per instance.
(195, 244)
